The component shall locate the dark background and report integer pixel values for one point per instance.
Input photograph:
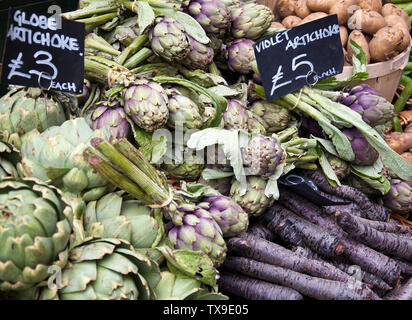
(32, 6)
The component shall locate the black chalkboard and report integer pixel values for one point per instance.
(42, 51)
(299, 56)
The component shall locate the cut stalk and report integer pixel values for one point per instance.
(136, 45)
(138, 58)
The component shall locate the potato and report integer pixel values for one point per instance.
(366, 20)
(345, 55)
(395, 22)
(291, 21)
(390, 9)
(344, 9)
(360, 39)
(301, 9)
(313, 16)
(343, 32)
(285, 8)
(278, 25)
(375, 5)
(384, 44)
(320, 5)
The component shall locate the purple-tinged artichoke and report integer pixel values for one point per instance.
(262, 155)
(368, 102)
(240, 55)
(200, 55)
(146, 103)
(199, 232)
(255, 124)
(183, 112)
(168, 39)
(254, 201)
(399, 197)
(212, 15)
(236, 115)
(250, 20)
(365, 154)
(230, 216)
(274, 117)
(112, 118)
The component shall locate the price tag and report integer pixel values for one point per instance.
(42, 52)
(299, 56)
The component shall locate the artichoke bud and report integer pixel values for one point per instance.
(75, 180)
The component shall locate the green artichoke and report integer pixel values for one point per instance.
(183, 112)
(113, 217)
(168, 39)
(188, 170)
(35, 228)
(25, 109)
(178, 287)
(146, 103)
(254, 201)
(9, 156)
(56, 156)
(254, 124)
(339, 166)
(250, 20)
(274, 118)
(105, 269)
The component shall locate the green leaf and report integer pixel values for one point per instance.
(145, 16)
(191, 263)
(272, 189)
(373, 172)
(196, 191)
(327, 145)
(192, 27)
(327, 169)
(212, 174)
(382, 184)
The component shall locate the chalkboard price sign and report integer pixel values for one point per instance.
(39, 52)
(299, 56)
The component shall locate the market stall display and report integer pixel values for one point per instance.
(167, 178)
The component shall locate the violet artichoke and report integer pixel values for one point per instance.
(236, 115)
(200, 55)
(240, 55)
(230, 216)
(365, 154)
(112, 118)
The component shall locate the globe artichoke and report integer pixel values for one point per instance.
(146, 104)
(236, 115)
(180, 287)
(254, 124)
(240, 55)
(254, 201)
(274, 118)
(375, 109)
(168, 39)
(35, 228)
(183, 112)
(198, 232)
(262, 155)
(250, 20)
(113, 217)
(231, 4)
(365, 154)
(200, 55)
(56, 156)
(111, 117)
(25, 109)
(212, 15)
(230, 217)
(105, 269)
(188, 170)
(399, 197)
(9, 156)
(339, 166)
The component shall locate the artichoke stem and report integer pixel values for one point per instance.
(307, 158)
(92, 42)
(96, 8)
(158, 194)
(99, 19)
(136, 45)
(306, 166)
(138, 58)
(118, 179)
